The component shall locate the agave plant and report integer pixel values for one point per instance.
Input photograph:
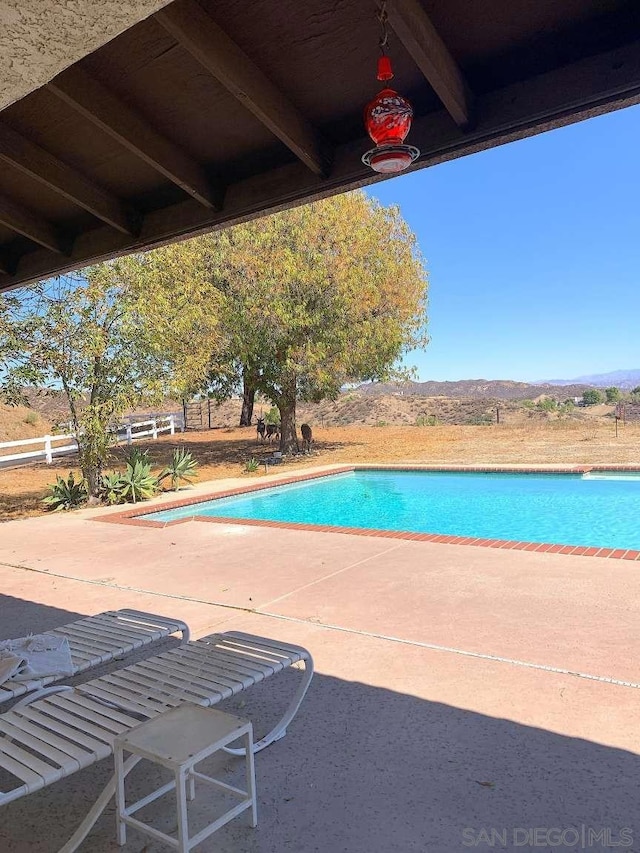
(182, 468)
(65, 494)
(136, 455)
(137, 483)
(251, 466)
(112, 485)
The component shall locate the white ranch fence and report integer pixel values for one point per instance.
(52, 446)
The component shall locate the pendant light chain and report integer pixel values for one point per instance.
(383, 19)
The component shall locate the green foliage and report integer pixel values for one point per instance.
(31, 418)
(135, 455)
(426, 420)
(528, 404)
(566, 408)
(251, 466)
(137, 483)
(182, 468)
(592, 397)
(636, 390)
(305, 301)
(272, 416)
(112, 487)
(65, 494)
(547, 404)
(481, 420)
(381, 423)
(612, 394)
(83, 333)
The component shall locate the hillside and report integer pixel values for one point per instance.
(488, 389)
(353, 408)
(19, 422)
(356, 409)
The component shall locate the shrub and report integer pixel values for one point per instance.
(481, 420)
(134, 454)
(65, 494)
(566, 408)
(426, 420)
(137, 483)
(251, 466)
(547, 404)
(112, 486)
(31, 418)
(182, 468)
(272, 416)
(612, 394)
(592, 397)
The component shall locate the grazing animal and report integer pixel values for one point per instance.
(273, 431)
(307, 437)
(260, 429)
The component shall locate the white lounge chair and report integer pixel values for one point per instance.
(100, 639)
(52, 737)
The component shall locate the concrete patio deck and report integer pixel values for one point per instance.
(460, 691)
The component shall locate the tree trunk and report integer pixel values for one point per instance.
(93, 477)
(287, 409)
(248, 398)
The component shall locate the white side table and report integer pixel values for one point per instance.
(179, 740)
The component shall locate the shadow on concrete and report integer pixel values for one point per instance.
(368, 770)
(19, 616)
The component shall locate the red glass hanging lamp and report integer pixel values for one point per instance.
(388, 118)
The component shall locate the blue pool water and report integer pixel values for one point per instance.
(601, 510)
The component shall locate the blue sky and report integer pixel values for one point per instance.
(533, 251)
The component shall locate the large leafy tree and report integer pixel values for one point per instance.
(306, 300)
(82, 334)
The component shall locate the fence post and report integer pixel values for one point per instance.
(129, 436)
(154, 428)
(172, 425)
(48, 455)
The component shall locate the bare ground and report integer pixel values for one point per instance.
(223, 452)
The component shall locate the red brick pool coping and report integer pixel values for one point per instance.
(132, 516)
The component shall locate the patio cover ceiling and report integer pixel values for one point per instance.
(211, 112)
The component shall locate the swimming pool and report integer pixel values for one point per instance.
(593, 510)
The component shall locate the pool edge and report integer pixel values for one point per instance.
(132, 517)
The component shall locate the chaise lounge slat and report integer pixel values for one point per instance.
(100, 639)
(55, 736)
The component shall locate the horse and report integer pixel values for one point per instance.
(307, 438)
(260, 429)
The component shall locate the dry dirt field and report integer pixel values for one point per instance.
(223, 452)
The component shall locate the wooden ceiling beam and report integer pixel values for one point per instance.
(413, 27)
(192, 27)
(29, 224)
(106, 110)
(32, 160)
(578, 91)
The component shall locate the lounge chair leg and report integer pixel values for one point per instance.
(191, 787)
(121, 827)
(98, 807)
(280, 730)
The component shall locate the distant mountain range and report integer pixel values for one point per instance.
(625, 379)
(505, 389)
(478, 389)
